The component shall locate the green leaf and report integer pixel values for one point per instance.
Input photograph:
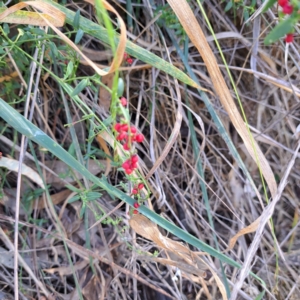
(70, 68)
(73, 199)
(79, 36)
(82, 211)
(120, 90)
(93, 196)
(72, 188)
(260, 296)
(53, 49)
(228, 6)
(76, 20)
(6, 28)
(269, 5)
(82, 85)
(283, 28)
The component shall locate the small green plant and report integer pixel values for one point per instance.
(128, 135)
(167, 18)
(288, 12)
(248, 10)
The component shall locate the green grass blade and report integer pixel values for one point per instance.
(22, 125)
(18, 122)
(132, 49)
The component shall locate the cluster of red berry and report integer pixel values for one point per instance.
(130, 164)
(136, 191)
(128, 134)
(287, 9)
(135, 211)
(128, 59)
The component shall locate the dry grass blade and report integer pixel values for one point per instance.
(193, 30)
(22, 262)
(266, 215)
(118, 57)
(16, 16)
(173, 135)
(149, 230)
(13, 165)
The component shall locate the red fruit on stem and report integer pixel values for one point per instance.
(140, 186)
(126, 165)
(289, 38)
(124, 127)
(128, 171)
(129, 60)
(134, 159)
(282, 2)
(134, 165)
(126, 147)
(117, 127)
(135, 212)
(125, 55)
(287, 9)
(121, 136)
(123, 101)
(134, 192)
(139, 138)
(133, 129)
(136, 205)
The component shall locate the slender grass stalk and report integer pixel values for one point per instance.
(22, 125)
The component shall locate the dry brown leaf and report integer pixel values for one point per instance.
(104, 94)
(9, 77)
(69, 270)
(50, 13)
(187, 268)
(92, 290)
(249, 229)
(56, 198)
(103, 145)
(149, 230)
(118, 59)
(120, 49)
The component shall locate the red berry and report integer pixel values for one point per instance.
(136, 205)
(139, 138)
(121, 136)
(129, 60)
(134, 159)
(125, 55)
(124, 127)
(128, 171)
(287, 9)
(117, 127)
(282, 2)
(134, 192)
(140, 186)
(289, 38)
(135, 212)
(133, 129)
(123, 101)
(126, 147)
(134, 165)
(126, 165)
